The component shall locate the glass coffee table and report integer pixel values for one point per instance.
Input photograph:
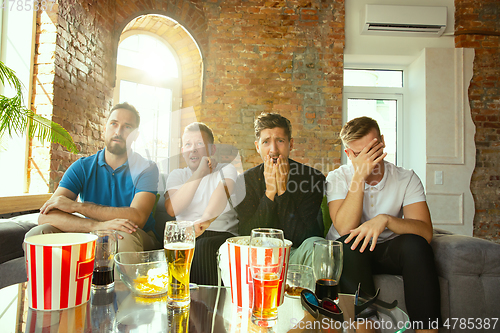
(211, 310)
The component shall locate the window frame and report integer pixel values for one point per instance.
(135, 75)
(11, 23)
(380, 93)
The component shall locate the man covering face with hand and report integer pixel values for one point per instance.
(380, 211)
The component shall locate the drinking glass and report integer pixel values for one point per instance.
(179, 244)
(298, 278)
(327, 268)
(267, 253)
(106, 247)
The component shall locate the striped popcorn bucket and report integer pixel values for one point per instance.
(59, 268)
(235, 270)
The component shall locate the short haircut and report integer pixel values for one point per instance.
(357, 128)
(272, 120)
(129, 107)
(200, 127)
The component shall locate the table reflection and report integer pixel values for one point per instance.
(71, 320)
(118, 310)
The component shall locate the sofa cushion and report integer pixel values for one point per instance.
(12, 233)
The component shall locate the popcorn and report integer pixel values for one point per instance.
(155, 282)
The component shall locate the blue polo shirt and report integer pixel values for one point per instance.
(95, 181)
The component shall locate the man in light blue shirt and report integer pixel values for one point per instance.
(117, 189)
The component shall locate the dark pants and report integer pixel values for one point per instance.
(408, 255)
(204, 267)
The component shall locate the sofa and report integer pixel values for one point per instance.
(469, 278)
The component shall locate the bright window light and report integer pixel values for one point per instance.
(384, 112)
(373, 78)
(148, 54)
(154, 105)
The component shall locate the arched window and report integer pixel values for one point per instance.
(148, 77)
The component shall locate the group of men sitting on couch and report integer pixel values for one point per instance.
(378, 210)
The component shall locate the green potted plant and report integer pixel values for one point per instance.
(16, 118)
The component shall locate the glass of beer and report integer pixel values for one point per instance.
(267, 253)
(106, 247)
(327, 268)
(179, 250)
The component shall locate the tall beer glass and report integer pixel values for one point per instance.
(327, 268)
(267, 253)
(179, 250)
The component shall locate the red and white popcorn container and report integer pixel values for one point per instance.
(59, 268)
(235, 270)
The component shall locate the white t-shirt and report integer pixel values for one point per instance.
(398, 188)
(228, 220)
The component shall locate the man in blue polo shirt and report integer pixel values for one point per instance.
(117, 189)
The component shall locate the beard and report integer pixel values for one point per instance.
(115, 148)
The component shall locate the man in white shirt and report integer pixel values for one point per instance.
(199, 192)
(379, 211)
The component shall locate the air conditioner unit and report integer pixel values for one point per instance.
(404, 20)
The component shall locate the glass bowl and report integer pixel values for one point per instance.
(144, 273)
(298, 277)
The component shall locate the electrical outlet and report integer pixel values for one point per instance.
(438, 177)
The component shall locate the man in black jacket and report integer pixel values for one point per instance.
(282, 193)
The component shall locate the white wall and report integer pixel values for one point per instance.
(390, 50)
(449, 138)
(414, 118)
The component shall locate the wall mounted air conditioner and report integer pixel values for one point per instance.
(404, 20)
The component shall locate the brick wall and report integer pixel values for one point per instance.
(477, 25)
(281, 56)
(74, 78)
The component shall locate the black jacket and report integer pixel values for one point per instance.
(295, 211)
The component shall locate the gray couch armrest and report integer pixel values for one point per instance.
(12, 272)
(12, 233)
(471, 266)
(457, 254)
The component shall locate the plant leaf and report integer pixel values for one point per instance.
(15, 118)
(45, 129)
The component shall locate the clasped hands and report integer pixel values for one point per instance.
(276, 174)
